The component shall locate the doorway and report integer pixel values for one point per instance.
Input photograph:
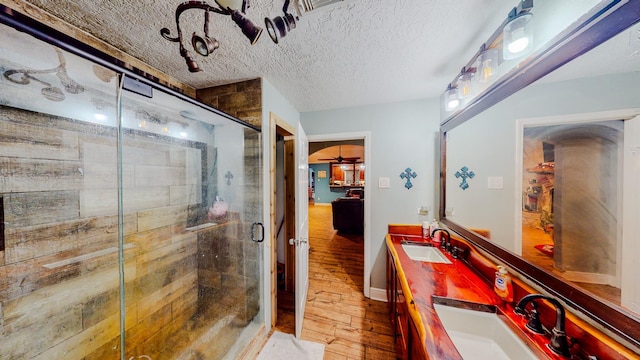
(571, 186)
(365, 139)
(282, 218)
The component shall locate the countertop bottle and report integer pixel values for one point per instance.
(502, 285)
(425, 230)
(434, 225)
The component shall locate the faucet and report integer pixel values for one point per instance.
(558, 342)
(445, 243)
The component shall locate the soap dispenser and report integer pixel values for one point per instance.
(502, 285)
(426, 234)
(434, 225)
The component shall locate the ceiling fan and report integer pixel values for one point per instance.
(341, 159)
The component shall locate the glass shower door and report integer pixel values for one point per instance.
(190, 193)
(59, 273)
(126, 221)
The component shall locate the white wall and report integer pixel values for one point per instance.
(403, 134)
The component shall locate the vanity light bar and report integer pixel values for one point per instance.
(523, 8)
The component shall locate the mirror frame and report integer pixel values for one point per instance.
(597, 26)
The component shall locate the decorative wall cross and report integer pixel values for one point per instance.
(229, 176)
(464, 173)
(408, 174)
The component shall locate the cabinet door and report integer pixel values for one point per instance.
(391, 288)
(415, 349)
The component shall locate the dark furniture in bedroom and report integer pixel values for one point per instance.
(348, 215)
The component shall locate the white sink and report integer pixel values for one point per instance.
(425, 253)
(481, 335)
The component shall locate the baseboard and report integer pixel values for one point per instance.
(591, 278)
(378, 294)
(255, 345)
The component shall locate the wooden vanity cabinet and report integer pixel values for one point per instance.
(408, 344)
(415, 347)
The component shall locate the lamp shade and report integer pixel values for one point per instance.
(451, 99)
(231, 4)
(517, 37)
(465, 84)
(204, 45)
(487, 65)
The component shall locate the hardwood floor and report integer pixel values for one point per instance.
(337, 313)
(532, 236)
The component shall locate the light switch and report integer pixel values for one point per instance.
(384, 183)
(495, 182)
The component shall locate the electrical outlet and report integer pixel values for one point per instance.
(424, 210)
(495, 182)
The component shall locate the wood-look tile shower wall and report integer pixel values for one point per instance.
(59, 273)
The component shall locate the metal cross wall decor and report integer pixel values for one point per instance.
(408, 174)
(464, 173)
(229, 176)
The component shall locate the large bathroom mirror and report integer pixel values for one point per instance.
(542, 169)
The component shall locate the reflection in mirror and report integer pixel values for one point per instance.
(588, 206)
(571, 216)
(555, 175)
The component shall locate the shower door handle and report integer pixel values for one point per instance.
(253, 232)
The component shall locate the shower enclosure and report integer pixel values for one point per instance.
(130, 215)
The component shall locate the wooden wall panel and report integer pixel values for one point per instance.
(27, 141)
(39, 175)
(185, 194)
(159, 217)
(242, 99)
(59, 276)
(40, 207)
(61, 260)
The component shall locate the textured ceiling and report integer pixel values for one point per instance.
(355, 52)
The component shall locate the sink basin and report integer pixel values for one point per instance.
(479, 333)
(425, 253)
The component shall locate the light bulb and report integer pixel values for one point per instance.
(464, 85)
(518, 37)
(488, 62)
(519, 45)
(451, 99)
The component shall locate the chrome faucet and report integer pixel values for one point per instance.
(445, 243)
(558, 342)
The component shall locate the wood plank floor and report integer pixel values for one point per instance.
(337, 313)
(532, 236)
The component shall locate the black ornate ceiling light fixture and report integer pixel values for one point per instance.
(49, 91)
(207, 45)
(279, 26)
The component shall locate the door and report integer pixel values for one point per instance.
(302, 226)
(192, 196)
(631, 243)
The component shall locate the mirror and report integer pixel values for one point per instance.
(541, 163)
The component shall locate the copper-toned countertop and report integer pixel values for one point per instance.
(422, 280)
(461, 280)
